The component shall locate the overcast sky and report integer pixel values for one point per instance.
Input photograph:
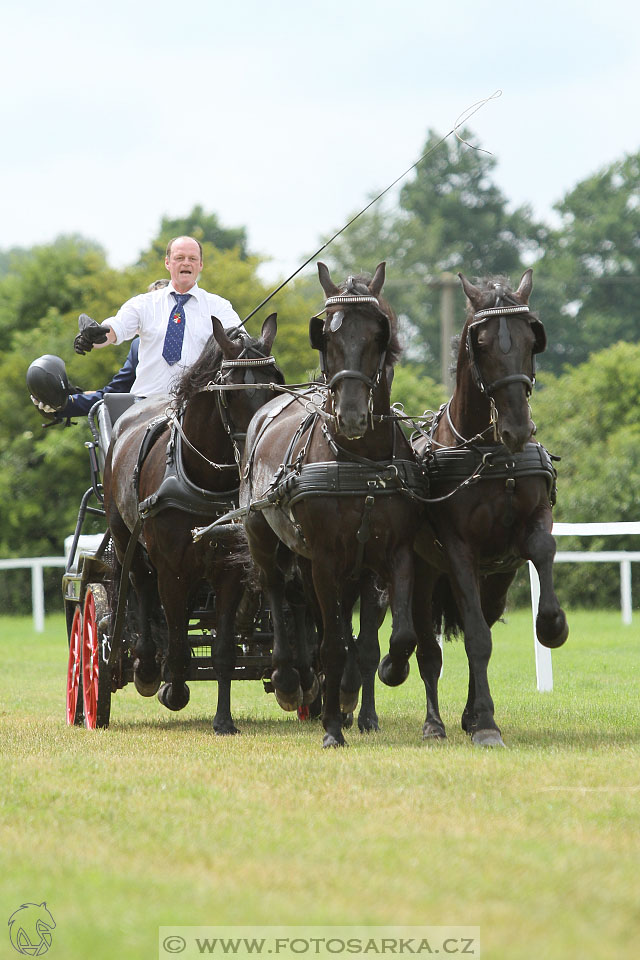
(284, 116)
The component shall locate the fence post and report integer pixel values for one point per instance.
(544, 669)
(37, 597)
(625, 590)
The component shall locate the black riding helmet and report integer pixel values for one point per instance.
(47, 381)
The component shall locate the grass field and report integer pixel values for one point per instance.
(155, 821)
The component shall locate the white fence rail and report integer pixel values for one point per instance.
(37, 565)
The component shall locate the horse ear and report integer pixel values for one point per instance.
(377, 283)
(472, 292)
(326, 282)
(268, 332)
(231, 349)
(526, 286)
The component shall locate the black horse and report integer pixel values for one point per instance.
(325, 479)
(200, 440)
(492, 491)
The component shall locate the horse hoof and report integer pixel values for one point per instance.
(289, 701)
(552, 632)
(308, 696)
(146, 686)
(330, 741)
(434, 732)
(368, 724)
(348, 701)
(487, 738)
(171, 699)
(225, 728)
(347, 721)
(393, 674)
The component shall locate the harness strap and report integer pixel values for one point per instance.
(177, 491)
(362, 536)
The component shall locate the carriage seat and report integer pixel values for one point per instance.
(104, 414)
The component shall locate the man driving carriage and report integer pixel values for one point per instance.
(174, 323)
(178, 305)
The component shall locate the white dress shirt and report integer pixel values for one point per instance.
(148, 315)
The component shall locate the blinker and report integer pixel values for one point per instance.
(336, 321)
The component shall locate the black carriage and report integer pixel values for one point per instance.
(101, 612)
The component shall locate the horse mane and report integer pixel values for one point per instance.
(359, 286)
(204, 369)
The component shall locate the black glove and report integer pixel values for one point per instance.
(90, 333)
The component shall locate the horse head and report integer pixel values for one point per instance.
(245, 361)
(358, 346)
(499, 343)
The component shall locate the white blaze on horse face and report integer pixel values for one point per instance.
(184, 263)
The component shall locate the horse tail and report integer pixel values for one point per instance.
(446, 618)
(231, 539)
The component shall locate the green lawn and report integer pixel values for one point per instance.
(156, 821)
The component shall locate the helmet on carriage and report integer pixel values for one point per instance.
(47, 381)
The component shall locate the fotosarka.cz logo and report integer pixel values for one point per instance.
(30, 929)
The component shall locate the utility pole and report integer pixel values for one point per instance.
(447, 284)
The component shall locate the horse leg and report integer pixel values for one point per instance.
(332, 649)
(174, 692)
(229, 593)
(428, 652)
(373, 607)
(493, 597)
(265, 546)
(351, 679)
(303, 636)
(479, 719)
(552, 628)
(146, 668)
(394, 667)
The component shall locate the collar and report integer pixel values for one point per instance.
(194, 291)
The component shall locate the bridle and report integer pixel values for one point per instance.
(248, 364)
(220, 386)
(505, 306)
(503, 311)
(318, 339)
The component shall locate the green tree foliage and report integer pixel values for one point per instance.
(590, 273)
(450, 217)
(204, 227)
(70, 275)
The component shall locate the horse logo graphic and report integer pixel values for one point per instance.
(30, 929)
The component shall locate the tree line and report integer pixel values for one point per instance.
(450, 216)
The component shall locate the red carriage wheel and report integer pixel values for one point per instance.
(96, 677)
(90, 661)
(304, 712)
(74, 698)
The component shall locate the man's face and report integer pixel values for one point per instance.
(184, 263)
